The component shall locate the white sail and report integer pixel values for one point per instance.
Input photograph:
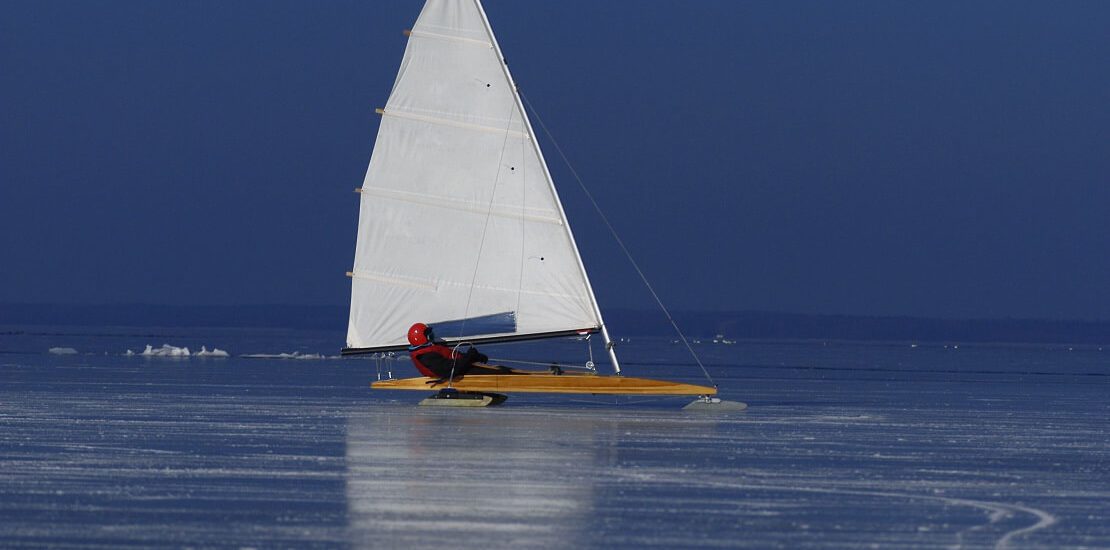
(459, 219)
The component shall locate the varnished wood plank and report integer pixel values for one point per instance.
(550, 383)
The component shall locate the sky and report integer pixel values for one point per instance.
(931, 158)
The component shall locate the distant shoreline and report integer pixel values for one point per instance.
(734, 325)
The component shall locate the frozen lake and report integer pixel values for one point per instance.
(843, 445)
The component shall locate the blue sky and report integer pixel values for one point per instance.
(869, 157)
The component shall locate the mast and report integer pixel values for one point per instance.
(551, 183)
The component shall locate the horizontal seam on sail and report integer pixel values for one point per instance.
(435, 285)
(514, 290)
(511, 212)
(455, 124)
(485, 121)
(394, 280)
(426, 34)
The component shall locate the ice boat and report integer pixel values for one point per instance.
(460, 224)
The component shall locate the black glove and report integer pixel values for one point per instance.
(474, 356)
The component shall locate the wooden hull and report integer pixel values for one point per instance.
(551, 383)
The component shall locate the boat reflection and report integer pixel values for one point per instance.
(420, 476)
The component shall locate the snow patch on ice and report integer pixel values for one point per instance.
(63, 351)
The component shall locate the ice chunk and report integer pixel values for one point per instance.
(216, 352)
(165, 351)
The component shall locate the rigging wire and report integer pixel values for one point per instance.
(485, 226)
(481, 246)
(616, 237)
(523, 226)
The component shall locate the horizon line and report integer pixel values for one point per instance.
(692, 311)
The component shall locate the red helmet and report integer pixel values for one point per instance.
(418, 334)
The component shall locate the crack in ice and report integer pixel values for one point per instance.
(998, 510)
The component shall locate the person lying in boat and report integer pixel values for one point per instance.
(436, 360)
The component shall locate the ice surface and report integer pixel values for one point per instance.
(63, 351)
(843, 446)
(294, 355)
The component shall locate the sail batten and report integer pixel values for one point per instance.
(427, 34)
(502, 210)
(448, 122)
(458, 216)
(436, 284)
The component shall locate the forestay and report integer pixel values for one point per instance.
(459, 219)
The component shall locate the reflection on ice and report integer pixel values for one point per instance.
(415, 476)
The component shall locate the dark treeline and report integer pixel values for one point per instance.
(733, 325)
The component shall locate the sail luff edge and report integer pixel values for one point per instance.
(551, 184)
